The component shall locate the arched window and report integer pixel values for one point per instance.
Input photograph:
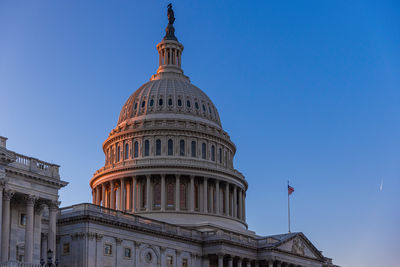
(220, 155)
(170, 102)
(204, 108)
(196, 105)
(126, 151)
(157, 195)
(151, 102)
(179, 102)
(170, 194)
(183, 196)
(118, 154)
(158, 147)
(146, 148)
(136, 149)
(182, 147)
(213, 153)
(188, 104)
(203, 150)
(170, 147)
(143, 104)
(193, 149)
(160, 102)
(136, 105)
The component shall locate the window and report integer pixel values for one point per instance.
(143, 104)
(220, 155)
(22, 219)
(136, 149)
(146, 148)
(196, 196)
(209, 109)
(151, 102)
(136, 105)
(203, 150)
(170, 102)
(183, 196)
(66, 248)
(127, 253)
(126, 151)
(196, 105)
(158, 147)
(160, 102)
(107, 249)
(170, 147)
(179, 102)
(144, 192)
(193, 149)
(204, 108)
(157, 195)
(182, 147)
(118, 154)
(170, 194)
(149, 257)
(170, 260)
(185, 263)
(213, 153)
(188, 104)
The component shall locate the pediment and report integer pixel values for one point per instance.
(301, 246)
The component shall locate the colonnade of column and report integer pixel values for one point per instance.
(31, 205)
(172, 192)
(227, 260)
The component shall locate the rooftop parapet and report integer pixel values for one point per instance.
(36, 166)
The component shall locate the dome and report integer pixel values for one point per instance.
(168, 98)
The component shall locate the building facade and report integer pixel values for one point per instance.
(167, 195)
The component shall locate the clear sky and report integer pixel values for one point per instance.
(307, 90)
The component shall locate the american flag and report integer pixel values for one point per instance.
(290, 190)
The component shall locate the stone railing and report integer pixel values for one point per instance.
(154, 225)
(171, 161)
(18, 264)
(37, 166)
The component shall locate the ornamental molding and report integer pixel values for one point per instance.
(36, 177)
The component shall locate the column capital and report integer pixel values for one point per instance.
(53, 205)
(118, 240)
(8, 194)
(30, 200)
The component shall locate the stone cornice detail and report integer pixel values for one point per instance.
(37, 177)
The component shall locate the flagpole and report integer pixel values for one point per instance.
(288, 201)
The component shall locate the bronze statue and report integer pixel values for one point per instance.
(171, 17)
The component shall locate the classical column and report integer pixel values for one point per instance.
(28, 249)
(230, 262)
(94, 196)
(53, 207)
(248, 263)
(244, 206)
(178, 193)
(163, 192)
(148, 192)
(123, 195)
(112, 195)
(205, 195)
(134, 197)
(5, 236)
(278, 264)
(217, 197)
(240, 203)
(227, 199)
(239, 262)
(191, 193)
(235, 201)
(270, 264)
(206, 261)
(220, 260)
(43, 246)
(98, 201)
(103, 195)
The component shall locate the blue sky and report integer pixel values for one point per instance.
(307, 90)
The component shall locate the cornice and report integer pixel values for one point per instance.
(37, 177)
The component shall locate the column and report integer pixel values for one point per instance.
(227, 199)
(177, 193)
(134, 197)
(230, 262)
(43, 246)
(103, 195)
(217, 197)
(5, 236)
(256, 264)
(163, 192)
(148, 193)
(244, 206)
(248, 263)
(240, 203)
(205, 197)
(112, 195)
(206, 261)
(28, 251)
(270, 264)
(235, 201)
(123, 195)
(1, 212)
(191, 193)
(278, 264)
(220, 260)
(53, 207)
(98, 201)
(239, 262)
(94, 196)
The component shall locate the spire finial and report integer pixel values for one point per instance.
(170, 30)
